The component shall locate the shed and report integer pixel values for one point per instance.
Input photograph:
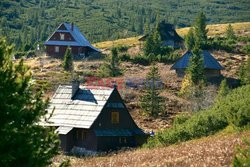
(168, 35)
(211, 65)
(93, 118)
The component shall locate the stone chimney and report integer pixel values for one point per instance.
(72, 26)
(75, 87)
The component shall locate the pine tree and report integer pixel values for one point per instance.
(244, 72)
(190, 39)
(23, 142)
(151, 102)
(68, 60)
(196, 68)
(114, 69)
(230, 34)
(200, 30)
(223, 90)
(110, 68)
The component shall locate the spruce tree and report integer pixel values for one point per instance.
(23, 142)
(190, 39)
(151, 102)
(200, 30)
(244, 72)
(223, 90)
(110, 68)
(196, 67)
(230, 34)
(68, 60)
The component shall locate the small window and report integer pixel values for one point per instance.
(62, 36)
(115, 117)
(81, 134)
(57, 49)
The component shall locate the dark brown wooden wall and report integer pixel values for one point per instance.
(104, 119)
(56, 37)
(50, 50)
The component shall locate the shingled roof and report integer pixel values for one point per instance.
(80, 40)
(209, 61)
(79, 112)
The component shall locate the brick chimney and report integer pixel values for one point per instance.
(72, 26)
(75, 87)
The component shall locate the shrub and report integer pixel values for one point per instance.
(122, 48)
(233, 109)
(125, 57)
(181, 118)
(141, 60)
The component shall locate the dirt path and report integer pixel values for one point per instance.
(212, 151)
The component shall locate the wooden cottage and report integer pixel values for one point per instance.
(211, 65)
(93, 118)
(168, 35)
(68, 35)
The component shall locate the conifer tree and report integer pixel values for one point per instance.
(190, 39)
(23, 142)
(196, 68)
(200, 30)
(230, 34)
(111, 65)
(151, 102)
(223, 90)
(245, 72)
(68, 60)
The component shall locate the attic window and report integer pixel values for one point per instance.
(115, 117)
(61, 36)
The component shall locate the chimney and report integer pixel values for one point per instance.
(75, 87)
(72, 26)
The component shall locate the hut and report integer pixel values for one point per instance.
(168, 35)
(93, 118)
(211, 65)
(68, 35)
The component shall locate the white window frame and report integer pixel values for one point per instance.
(62, 36)
(57, 49)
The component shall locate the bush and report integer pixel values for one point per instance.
(125, 57)
(122, 48)
(181, 118)
(141, 60)
(233, 109)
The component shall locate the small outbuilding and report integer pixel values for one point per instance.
(211, 65)
(68, 35)
(168, 35)
(94, 118)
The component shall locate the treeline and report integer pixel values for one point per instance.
(27, 22)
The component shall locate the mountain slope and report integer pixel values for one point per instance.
(28, 21)
(217, 150)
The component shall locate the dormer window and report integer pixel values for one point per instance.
(61, 36)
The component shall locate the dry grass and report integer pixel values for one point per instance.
(215, 150)
(220, 29)
(214, 29)
(109, 44)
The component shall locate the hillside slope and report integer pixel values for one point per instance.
(117, 19)
(241, 29)
(215, 150)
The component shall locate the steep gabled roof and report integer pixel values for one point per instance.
(79, 112)
(80, 40)
(168, 32)
(209, 61)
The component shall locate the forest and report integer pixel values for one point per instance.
(27, 22)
